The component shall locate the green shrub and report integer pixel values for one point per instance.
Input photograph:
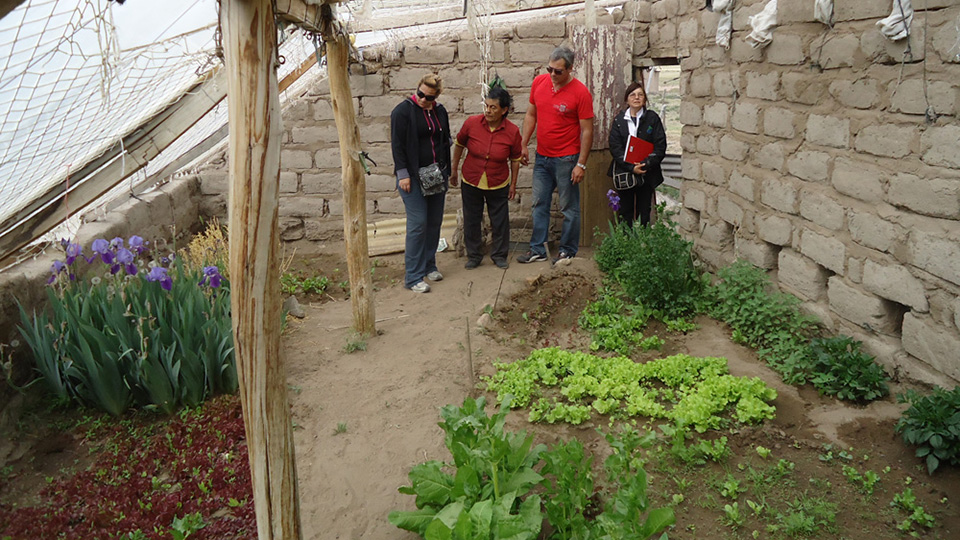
(933, 424)
(654, 266)
(838, 367)
(154, 339)
(771, 322)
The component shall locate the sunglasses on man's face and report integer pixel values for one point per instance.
(421, 95)
(558, 71)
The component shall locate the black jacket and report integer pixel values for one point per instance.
(404, 141)
(650, 130)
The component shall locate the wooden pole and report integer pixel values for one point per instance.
(250, 52)
(354, 184)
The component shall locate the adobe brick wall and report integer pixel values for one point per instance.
(827, 169)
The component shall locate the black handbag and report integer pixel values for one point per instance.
(626, 180)
(432, 181)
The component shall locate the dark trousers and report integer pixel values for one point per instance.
(496, 200)
(635, 204)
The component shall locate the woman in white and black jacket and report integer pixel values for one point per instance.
(420, 136)
(642, 123)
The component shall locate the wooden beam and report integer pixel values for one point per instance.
(250, 53)
(354, 183)
(6, 6)
(98, 175)
(385, 18)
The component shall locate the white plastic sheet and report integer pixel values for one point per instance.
(725, 26)
(897, 25)
(763, 24)
(823, 11)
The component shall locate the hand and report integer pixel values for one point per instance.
(577, 175)
(524, 156)
(513, 191)
(640, 168)
(454, 179)
(405, 184)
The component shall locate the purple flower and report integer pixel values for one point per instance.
(137, 244)
(116, 243)
(102, 248)
(73, 251)
(211, 276)
(55, 270)
(158, 273)
(613, 200)
(99, 246)
(124, 256)
(131, 269)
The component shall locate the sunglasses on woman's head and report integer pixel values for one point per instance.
(425, 96)
(558, 71)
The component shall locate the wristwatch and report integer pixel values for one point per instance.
(582, 166)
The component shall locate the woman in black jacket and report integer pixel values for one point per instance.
(641, 179)
(420, 140)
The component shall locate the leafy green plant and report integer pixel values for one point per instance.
(731, 488)
(569, 495)
(615, 325)
(932, 423)
(838, 367)
(691, 391)
(907, 502)
(186, 526)
(489, 493)
(654, 265)
(808, 516)
(732, 516)
(293, 283)
(763, 452)
(866, 482)
(128, 336)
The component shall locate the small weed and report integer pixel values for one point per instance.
(341, 428)
(732, 516)
(763, 452)
(355, 343)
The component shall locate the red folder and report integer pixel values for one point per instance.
(637, 150)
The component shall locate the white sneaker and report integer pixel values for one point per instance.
(421, 287)
(435, 276)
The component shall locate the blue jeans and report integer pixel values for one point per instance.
(424, 217)
(551, 173)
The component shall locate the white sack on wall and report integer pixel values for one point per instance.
(823, 11)
(897, 25)
(725, 26)
(763, 24)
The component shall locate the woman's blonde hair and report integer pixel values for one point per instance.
(432, 80)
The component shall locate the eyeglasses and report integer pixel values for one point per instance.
(638, 95)
(425, 96)
(552, 70)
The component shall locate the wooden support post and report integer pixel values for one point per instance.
(250, 51)
(354, 184)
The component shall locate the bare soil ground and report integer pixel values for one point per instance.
(365, 412)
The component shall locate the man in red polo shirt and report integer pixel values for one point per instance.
(561, 111)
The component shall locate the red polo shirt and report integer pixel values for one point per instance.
(487, 165)
(559, 115)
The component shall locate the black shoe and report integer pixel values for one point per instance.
(563, 255)
(501, 263)
(471, 264)
(530, 257)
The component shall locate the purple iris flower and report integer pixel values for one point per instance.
(137, 244)
(55, 270)
(102, 248)
(613, 200)
(158, 273)
(73, 251)
(124, 256)
(211, 276)
(116, 243)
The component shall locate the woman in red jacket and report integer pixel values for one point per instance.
(489, 175)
